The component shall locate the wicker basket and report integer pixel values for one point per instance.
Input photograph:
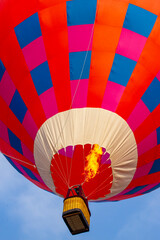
(76, 214)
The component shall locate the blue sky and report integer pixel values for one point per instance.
(29, 213)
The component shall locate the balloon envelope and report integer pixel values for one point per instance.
(76, 76)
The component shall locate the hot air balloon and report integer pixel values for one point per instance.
(79, 98)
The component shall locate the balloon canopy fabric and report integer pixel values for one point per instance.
(76, 75)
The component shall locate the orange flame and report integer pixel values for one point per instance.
(92, 162)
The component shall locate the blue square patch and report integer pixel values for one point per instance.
(81, 12)
(15, 142)
(18, 107)
(156, 167)
(79, 65)
(28, 30)
(151, 97)
(139, 20)
(122, 69)
(42, 78)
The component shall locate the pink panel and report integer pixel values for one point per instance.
(34, 53)
(112, 96)
(131, 44)
(27, 153)
(79, 90)
(146, 144)
(7, 88)
(158, 75)
(30, 125)
(49, 104)
(4, 132)
(80, 37)
(139, 114)
(144, 170)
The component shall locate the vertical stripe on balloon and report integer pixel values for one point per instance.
(144, 23)
(55, 37)
(30, 39)
(80, 21)
(106, 35)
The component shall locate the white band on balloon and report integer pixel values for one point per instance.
(83, 126)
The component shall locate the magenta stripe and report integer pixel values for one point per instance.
(27, 153)
(131, 44)
(30, 125)
(139, 114)
(49, 103)
(20, 168)
(34, 53)
(112, 96)
(80, 37)
(148, 143)
(4, 132)
(158, 75)
(7, 88)
(79, 90)
(144, 170)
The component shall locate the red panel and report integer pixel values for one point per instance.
(108, 24)
(53, 23)
(13, 60)
(67, 172)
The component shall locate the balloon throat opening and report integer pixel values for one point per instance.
(76, 213)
